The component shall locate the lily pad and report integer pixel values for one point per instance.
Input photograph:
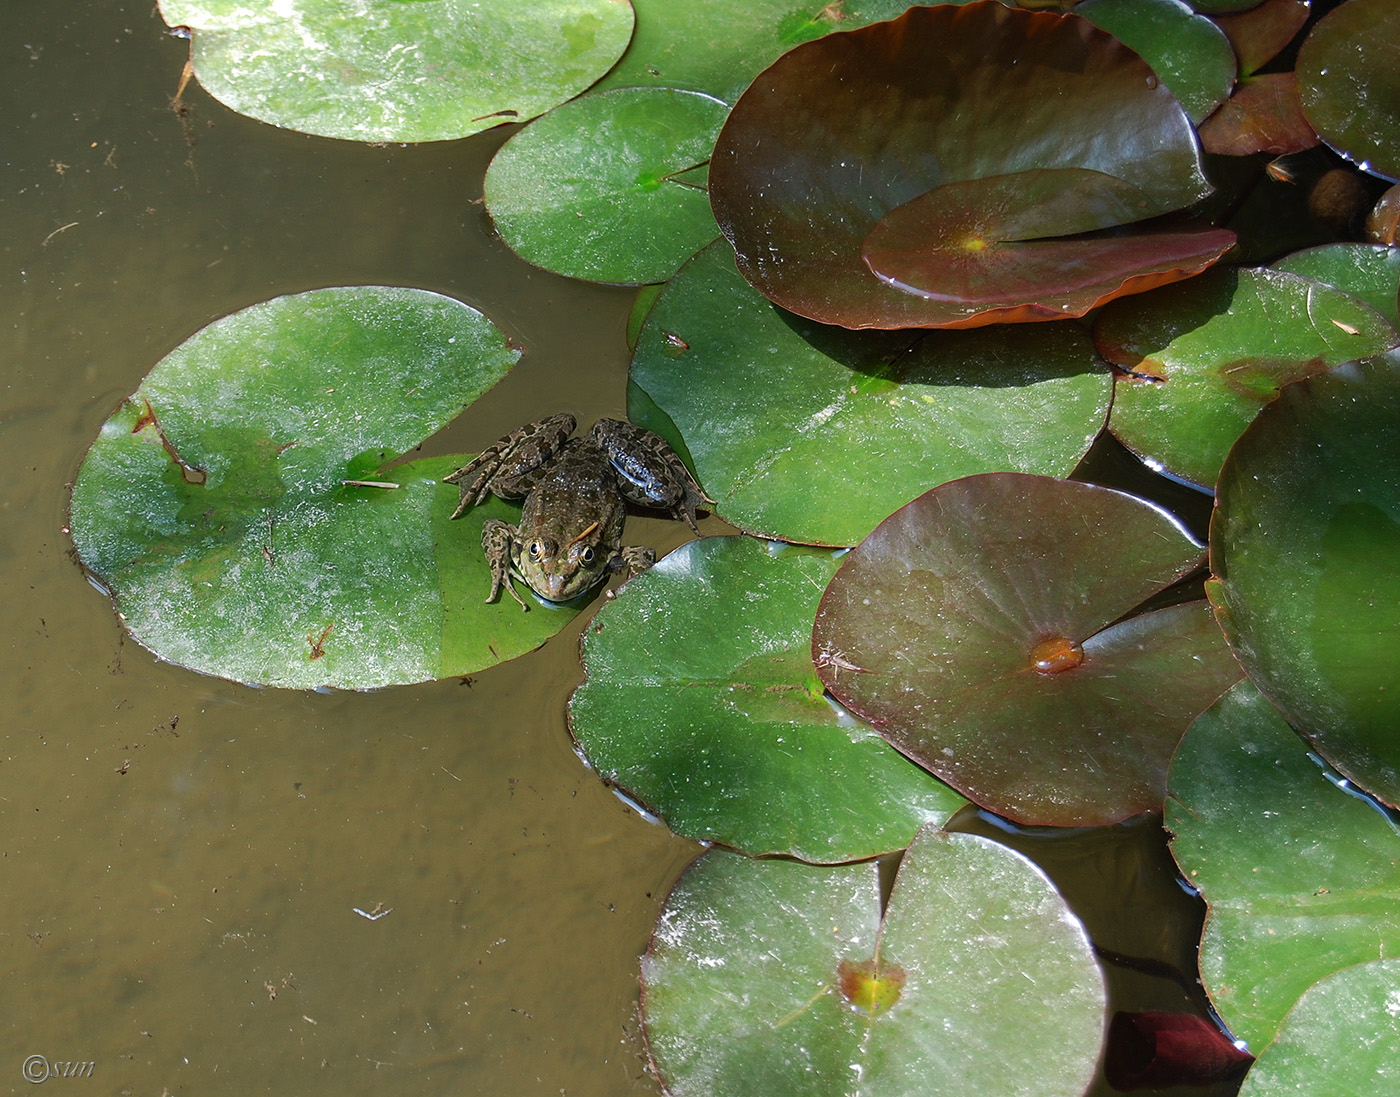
(1368, 272)
(774, 977)
(390, 70)
(237, 506)
(1263, 115)
(1341, 1038)
(719, 46)
(1260, 33)
(1349, 83)
(702, 702)
(1189, 52)
(605, 188)
(1300, 879)
(941, 153)
(993, 630)
(815, 434)
(1205, 356)
(1305, 548)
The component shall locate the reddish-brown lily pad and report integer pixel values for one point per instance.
(954, 167)
(993, 631)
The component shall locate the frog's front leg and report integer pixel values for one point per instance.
(505, 466)
(497, 539)
(632, 560)
(650, 473)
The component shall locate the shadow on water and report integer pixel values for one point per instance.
(218, 889)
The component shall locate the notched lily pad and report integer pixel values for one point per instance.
(1203, 358)
(609, 187)
(952, 163)
(1300, 879)
(239, 510)
(1305, 549)
(815, 434)
(993, 631)
(387, 70)
(702, 702)
(775, 977)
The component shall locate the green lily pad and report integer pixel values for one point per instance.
(1208, 354)
(993, 631)
(935, 151)
(602, 188)
(1300, 879)
(1305, 548)
(815, 434)
(1349, 83)
(774, 977)
(719, 46)
(215, 508)
(702, 702)
(1369, 272)
(399, 70)
(1341, 1038)
(1189, 52)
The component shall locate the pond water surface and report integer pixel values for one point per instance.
(206, 888)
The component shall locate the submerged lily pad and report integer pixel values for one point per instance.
(993, 631)
(1305, 548)
(702, 703)
(608, 187)
(1342, 1037)
(1349, 83)
(1208, 354)
(389, 70)
(774, 977)
(816, 434)
(1300, 879)
(237, 508)
(942, 154)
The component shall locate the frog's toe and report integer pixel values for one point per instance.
(635, 559)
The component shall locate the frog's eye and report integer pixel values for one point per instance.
(536, 550)
(586, 555)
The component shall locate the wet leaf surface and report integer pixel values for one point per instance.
(1341, 1037)
(1263, 115)
(214, 503)
(986, 982)
(386, 70)
(1305, 549)
(1209, 354)
(1349, 83)
(1368, 272)
(604, 188)
(1259, 33)
(701, 701)
(815, 434)
(944, 96)
(991, 630)
(1301, 879)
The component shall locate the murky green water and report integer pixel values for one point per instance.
(181, 859)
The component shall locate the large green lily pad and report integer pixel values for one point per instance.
(1189, 52)
(702, 702)
(1342, 1038)
(215, 507)
(1349, 83)
(1300, 879)
(719, 46)
(993, 630)
(778, 978)
(390, 70)
(1206, 355)
(1305, 548)
(610, 187)
(1369, 272)
(950, 159)
(815, 434)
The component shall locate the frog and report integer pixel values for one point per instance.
(575, 491)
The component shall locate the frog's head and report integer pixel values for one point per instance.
(560, 574)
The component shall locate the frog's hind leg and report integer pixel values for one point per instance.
(496, 539)
(506, 466)
(650, 473)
